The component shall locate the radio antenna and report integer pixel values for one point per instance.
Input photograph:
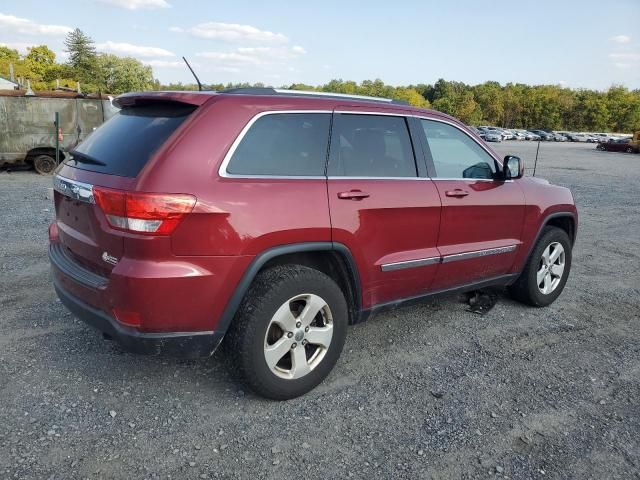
(194, 74)
(535, 164)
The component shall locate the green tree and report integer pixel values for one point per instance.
(411, 96)
(456, 99)
(9, 54)
(118, 75)
(39, 60)
(490, 97)
(82, 54)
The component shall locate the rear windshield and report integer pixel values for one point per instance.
(123, 145)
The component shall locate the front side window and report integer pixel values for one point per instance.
(455, 154)
(283, 144)
(371, 146)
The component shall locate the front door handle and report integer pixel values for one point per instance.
(353, 195)
(458, 193)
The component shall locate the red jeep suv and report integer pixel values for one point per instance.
(276, 218)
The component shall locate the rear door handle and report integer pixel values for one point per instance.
(456, 193)
(353, 195)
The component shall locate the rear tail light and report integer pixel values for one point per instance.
(146, 213)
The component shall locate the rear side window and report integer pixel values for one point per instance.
(123, 145)
(371, 146)
(283, 144)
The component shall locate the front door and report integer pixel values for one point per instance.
(383, 206)
(482, 216)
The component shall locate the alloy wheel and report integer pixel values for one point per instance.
(298, 336)
(551, 268)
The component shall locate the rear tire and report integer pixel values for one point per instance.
(281, 347)
(629, 150)
(44, 164)
(546, 271)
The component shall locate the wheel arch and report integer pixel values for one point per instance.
(34, 152)
(565, 220)
(333, 259)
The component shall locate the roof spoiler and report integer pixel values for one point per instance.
(139, 98)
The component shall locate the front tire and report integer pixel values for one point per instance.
(546, 271)
(289, 331)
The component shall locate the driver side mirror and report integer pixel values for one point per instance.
(512, 167)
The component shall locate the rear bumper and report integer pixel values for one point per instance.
(183, 344)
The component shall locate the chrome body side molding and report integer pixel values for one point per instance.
(422, 262)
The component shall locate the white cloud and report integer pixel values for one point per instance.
(630, 56)
(253, 56)
(137, 4)
(24, 26)
(122, 48)
(621, 39)
(233, 32)
(21, 47)
(165, 63)
(622, 66)
(233, 58)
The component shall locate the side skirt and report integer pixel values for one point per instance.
(503, 280)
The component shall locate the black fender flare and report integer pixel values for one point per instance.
(545, 222)
(263, 257)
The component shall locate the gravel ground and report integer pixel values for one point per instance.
(425, 392)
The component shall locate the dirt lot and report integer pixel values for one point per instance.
(424, 392)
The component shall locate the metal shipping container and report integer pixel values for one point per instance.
(27, 130)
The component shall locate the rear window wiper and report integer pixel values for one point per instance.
(83, 158)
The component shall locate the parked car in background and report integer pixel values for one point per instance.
(290, 223)
(518, 135)
(619, 145)
(558, 137)
(507, 134)
(544, 136)
(602, 137)
(534, 136)
(479, 132)
(577, 137)
(493, 136)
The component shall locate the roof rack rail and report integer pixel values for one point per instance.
(305, 93)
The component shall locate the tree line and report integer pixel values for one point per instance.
(514, 105)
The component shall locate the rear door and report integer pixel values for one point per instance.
(482, 216)
(383, 206)
(112, 156)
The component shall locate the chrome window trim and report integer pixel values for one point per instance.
(379, 114)
(478, 253)
(420, 262)
(338, 177)
(74, 189)
(435, 179)
(222, 171)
